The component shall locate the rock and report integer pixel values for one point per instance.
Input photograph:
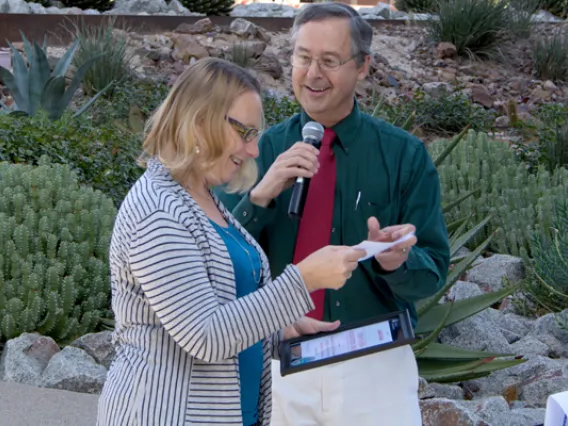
(539, 95)
(444, 411)
(448, 74)
(480, 94)
(446, 50)
(424, 389)
(186, 47)
(463, 290)
(74, 370)
(254, 48)
(134, 7)
(495, 411)
(447, 391)
(490, 273)
(247, 29)
(269, 64)
(548, 331)
(97, 345)
(502, 122)
(25, 358)
(14, 6)
(437, 89)
(550, 86)
(529, 345)
(200, 27)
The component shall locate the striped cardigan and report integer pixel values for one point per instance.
(178, 324)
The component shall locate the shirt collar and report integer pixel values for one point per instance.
(345, 130)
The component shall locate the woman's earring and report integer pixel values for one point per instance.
(197, 150)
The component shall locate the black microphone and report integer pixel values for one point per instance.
(312, 133)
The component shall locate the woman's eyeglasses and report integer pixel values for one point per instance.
(247, 133)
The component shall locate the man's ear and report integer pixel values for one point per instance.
(364, 68)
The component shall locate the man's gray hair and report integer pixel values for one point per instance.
(361, 30)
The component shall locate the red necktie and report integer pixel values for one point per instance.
(315, 225)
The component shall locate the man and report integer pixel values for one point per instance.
(371, 181)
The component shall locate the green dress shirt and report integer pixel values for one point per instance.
(382, 171)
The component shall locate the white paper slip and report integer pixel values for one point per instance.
(373, 248)
(557, 410)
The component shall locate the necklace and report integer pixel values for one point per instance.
(256, 279)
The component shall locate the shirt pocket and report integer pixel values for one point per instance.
(368, 207)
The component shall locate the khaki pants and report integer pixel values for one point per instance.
(373, 390)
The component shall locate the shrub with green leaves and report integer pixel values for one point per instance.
(210, 8)
(102, 156)
(130, 105)
(278, 108)
(550, 57)
(416, 6)
(521, 202)
(446, 114)
(54, 238)
(556, 7)
(100, 5)
(475, 27)
(545, 138)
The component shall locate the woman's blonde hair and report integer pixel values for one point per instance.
(201, 96)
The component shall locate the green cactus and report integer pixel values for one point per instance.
(520, 202)
(54, 238)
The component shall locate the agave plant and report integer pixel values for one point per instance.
(37, 87)
(445, 363)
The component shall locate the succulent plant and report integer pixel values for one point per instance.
(37, 87)
(445, 363)
(521, 202)
(54, 238)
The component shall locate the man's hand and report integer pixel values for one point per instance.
(393, 258)
(300, 160)
(307, 325)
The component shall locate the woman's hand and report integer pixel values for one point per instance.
(329, 267)
(307, 325)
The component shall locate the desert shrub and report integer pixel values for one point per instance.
(443, 114)
(102, 156)
(550, 57)
(278, 108)
(130, 105)
(54, 238)
(416, 6)
(210, 8)
(521, 202)
(114, 63)
(100, 5)
(480, 27)
(556, 7)
(545, 138)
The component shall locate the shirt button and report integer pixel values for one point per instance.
(332, 229)
(244, 213)
(337, 303)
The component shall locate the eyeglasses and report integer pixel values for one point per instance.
(247, 133)
(299, 60)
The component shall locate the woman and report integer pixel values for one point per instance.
(197, 314)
